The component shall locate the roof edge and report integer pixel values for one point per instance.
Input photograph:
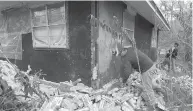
(153, 5)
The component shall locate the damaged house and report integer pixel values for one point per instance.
(59, 39)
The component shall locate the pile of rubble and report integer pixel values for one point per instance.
(82, 98)
(75, 96)
(113, 100)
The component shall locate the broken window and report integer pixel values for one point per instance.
(49, 26)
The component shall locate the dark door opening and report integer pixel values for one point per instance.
(27, 50)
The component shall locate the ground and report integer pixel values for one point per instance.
(178, 95)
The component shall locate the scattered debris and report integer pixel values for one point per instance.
(44, 95)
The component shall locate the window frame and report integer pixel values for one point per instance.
(49, 26)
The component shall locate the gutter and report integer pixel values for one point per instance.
(158, 13)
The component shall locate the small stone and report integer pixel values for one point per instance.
(78, 102)
(83, 109)
(95, 108)
(101, 105)
(98, 98)
(66, 103)
(1, 91)
(63, 109)
(127, 107)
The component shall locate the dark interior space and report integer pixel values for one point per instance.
(143, 33)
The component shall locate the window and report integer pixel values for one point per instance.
(49, 26)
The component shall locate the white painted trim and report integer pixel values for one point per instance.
(127, 46)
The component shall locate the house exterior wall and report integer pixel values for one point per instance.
(75, 62)
(80, 38)
(63, 64)
(153, 53)
(128, 20)
(13, 24)
(154, 38)
(108, 64)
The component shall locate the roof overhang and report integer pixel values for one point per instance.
(149, 10)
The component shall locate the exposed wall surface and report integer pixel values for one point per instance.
(143, 33)
(54, 63)
(64, 64)
(128, 20)
(80, 38)
(109, 65)
(12, 24)
(153, 53)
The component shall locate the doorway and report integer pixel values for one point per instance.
(27, 50)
